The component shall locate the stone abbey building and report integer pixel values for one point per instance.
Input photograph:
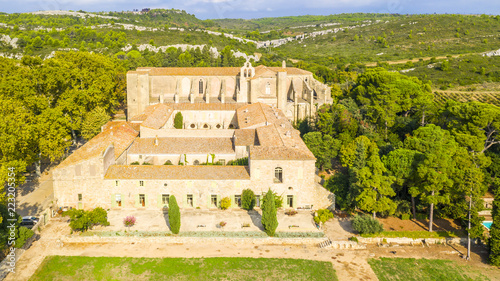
(140, 162)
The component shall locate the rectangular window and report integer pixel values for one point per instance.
(78, 170)
(257, 200)
(237, 200)
(278, 175)
(141, 183)
(116, 183)
(190, 200)
(142, 200)
(289, 201)
(118, 200)
(140, 156)
(164, 199)
(80, 197)
(213, 200)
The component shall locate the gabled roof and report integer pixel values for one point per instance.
(156, 119)
(245, 137)
(120, 136)
(180, 145)
(171, 172)
(191, 71)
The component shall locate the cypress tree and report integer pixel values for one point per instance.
(495, 231)
(178, 120)
(174, 215)
(269, 218)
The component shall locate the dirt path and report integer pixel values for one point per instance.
(349, 264)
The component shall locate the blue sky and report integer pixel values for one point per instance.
(205, 9)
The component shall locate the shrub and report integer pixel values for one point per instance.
(146, 163)
(174, 215)
(291, 212)
(168, 162)
(322, 216)
(222, 223)
(24, 235)
(278, 200)
(269, 218)
(225, 203)
(247, 199)
(178, 120)
(494, 241)
(366, 224)
(135, 163)
(354, 239)
(239, 162)
(129, 221)
(81, 220)
(405, 216)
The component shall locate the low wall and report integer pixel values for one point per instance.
(412, 241)
(191, 240)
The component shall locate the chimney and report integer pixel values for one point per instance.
(283, 64)
(156, 140)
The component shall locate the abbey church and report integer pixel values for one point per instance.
(236, 134)
(294, 91)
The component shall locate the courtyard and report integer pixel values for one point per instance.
(209, 220)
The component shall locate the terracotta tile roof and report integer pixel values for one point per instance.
(192, 71)
(251, 115)
(145, 114)
(206, 106)
(245, 137)
(121, 136)
(214, 71)
(158, 117)
(279, 153)
(114, 123)
(182, 146)
(178, 172)
(269, 136)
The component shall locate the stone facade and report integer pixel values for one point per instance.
(141, 162)
(292, 90)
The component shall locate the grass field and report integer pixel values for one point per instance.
(422, 269)
(117, 268)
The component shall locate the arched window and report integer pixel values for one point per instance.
(278, 175)
(200, 86)
(205, 126)
(231, 126)
(196, 162)
(192, 126)
(268, 88)
(218, 126)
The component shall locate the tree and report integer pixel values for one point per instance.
(247, 199)
(369, 182)
(174, 215)
(383, 95)
(475, 125)
(324, 148)
(435, 170)
(269, 215)
(402, 164)
(93, 122)
(178, 120)
(494, 241)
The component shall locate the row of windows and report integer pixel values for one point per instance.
(278, 172)
(214, 200)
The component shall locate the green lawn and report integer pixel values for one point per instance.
(117, 268)
(422, 269)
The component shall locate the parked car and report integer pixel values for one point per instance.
(29, 221)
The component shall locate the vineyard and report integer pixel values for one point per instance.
(440, 97)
